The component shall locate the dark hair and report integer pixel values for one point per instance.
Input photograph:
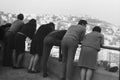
(52, 25)
(82, 22)
(8, 24)
(20, 16)
(32, 21)
(97, 28)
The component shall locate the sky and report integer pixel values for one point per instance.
(107, 10)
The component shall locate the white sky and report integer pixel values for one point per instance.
(107, 10)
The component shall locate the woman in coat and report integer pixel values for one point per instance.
(89, 51)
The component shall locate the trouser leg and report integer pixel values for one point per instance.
(70, 60)
(64, 56)
(46, 53)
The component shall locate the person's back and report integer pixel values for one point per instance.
(89, 53)
(43, 30)
(57, 34)
(69, 44)
(16, 25)
(93, 39)
(3, 29)
(75, 31)
(38, 38)
(29, 28)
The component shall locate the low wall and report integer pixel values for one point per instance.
(56, 68)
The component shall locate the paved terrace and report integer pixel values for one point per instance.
(7, 73)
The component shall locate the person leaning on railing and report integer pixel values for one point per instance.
(90, 47)
(36, 49)
(69, 44)
(9, 40)
(52, 39)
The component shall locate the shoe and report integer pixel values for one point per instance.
(45, 75)
(35, 71)
(29, 70)
(19, 67)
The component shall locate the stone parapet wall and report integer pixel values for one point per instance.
(56, 68)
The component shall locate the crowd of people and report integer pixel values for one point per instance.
(42, 41)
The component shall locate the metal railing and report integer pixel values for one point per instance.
(111, 48)
(105, 47)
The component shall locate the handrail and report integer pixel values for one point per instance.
(112, 48)
(105, 47)
(108, 47)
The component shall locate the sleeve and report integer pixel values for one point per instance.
(102, 40)
(82, 35)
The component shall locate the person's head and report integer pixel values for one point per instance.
(8, 24)
(20, 16)
(52, 25)
(97, 29)
(82, 22)
(32, 21)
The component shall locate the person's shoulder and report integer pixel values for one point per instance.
(18, 21)
(97, 33)
(73, 25)
(82, 27)
(43, 26)
(21, 21)
(100, 34)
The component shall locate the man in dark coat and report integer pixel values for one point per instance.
(52, 39)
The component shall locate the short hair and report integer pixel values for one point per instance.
(8, 24)
(52, 25)
(97, 28)
(20, 16)
(82, 22)
(32, 21)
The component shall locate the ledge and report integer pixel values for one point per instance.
(56, 68)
